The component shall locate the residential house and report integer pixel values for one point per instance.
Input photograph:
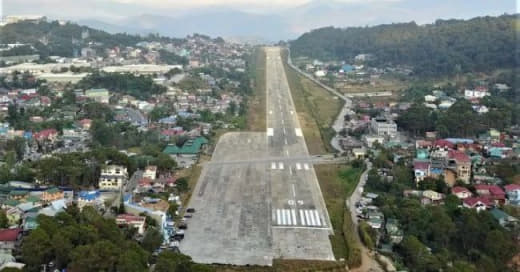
(52, 194)
(370, 140)
(18, 194)
(188, 153)
(9, 240)
(383, 126)
(85, 124)
(504, 219)
(150, 172)
(461, 164)
(359, 153)
(112, 177)
(137, 222)
(46, 135)
(478, 203)
(513, 193)
(421, 170)
(430, 197)
(461, 192)
(98, 95)
(89, 198)
(375, 219)
(54, 208)
(393, 231)
(14, 215)
(493, 192)
(478, 92)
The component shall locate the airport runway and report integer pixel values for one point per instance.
(270, 204)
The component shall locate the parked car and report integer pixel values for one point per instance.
(190, 210)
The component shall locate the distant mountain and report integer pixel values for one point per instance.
(444, 47)
(225, 23)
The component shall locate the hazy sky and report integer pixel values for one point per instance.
(114, 9)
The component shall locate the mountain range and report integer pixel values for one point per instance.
(291, 22)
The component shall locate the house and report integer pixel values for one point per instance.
(112, 177)
(137, 222)
(85, 124)
(504, 219)
(18, 194)
(14, 215)
(370, 140)
(54, 208)
(493, 192)
(359, 153)
(382, 126)
(150, 172)
(513, 193)
(393, 231)
(52, 194)
(46, 135)
(188, 153)
(461, 192)
(421, 170)
(430, 197)
(461, 163)
(88, 198)
(478, 92)
(375, 219)
(477, 203)
(9, 240)
(98, 95)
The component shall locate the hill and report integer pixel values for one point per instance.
(55, 39)
(446, 46)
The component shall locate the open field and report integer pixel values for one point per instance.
(384, 83)
(337, 182)
(256, 102)
(317, 109)
(280, 265)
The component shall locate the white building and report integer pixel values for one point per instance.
(137, 222)
(383, 127)
(477, 93)
(112, 177)
(150, 172)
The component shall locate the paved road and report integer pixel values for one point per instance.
(252, 206)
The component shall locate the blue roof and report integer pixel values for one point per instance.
(347, 68)
(89, 195)
(459, 140)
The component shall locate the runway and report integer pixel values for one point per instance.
(268, 204)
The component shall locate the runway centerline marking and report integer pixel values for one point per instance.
(293, 190)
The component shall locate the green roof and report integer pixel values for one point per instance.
(18, 193)
(52, 190)
(11, 202)
(191, 146)
(32, 198)
(499, 214)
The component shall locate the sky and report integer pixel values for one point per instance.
(297, 16)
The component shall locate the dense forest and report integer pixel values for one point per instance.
(53, 38)
(444, 47)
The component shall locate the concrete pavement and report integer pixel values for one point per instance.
(259, 199)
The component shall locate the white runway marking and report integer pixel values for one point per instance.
(283, 218)
(284, 131)
(282, 122)
(270, 132)
(293, 213)
(293, 191)
(273, 165)
(289, 220)
(291, 112)
(298, 132)
(270, 112)
(298, 166)
(287, 152)
(318, 222)
(280, 165)
(302, 218)
(311, 214)
(306, 166)
(278, 217)
(286, 141)
(290, 170)
(307, 217)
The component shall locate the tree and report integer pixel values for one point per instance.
(172, 209)
(152, 239)
(36, 249)
(182, 184)
(4, 222)
(100, 256)
(169, 261)
(165, 163)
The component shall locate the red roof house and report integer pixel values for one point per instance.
(493, 192)
(461, 192)
(478, 203)
(46, 134)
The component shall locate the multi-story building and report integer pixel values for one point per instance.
(112, 177)
(383, 127)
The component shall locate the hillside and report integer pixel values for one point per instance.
(446, 46)
(52, 38)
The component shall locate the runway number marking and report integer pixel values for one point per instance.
(290, 202)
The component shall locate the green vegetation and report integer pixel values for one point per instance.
(317, 109)
(460, 120)
(172, 58)
(64, 39)
(337, 183)
(367, 235)
(140, 87)
(256, 113)
(442, 48)
(435, 236)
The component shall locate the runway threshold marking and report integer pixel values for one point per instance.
(280, 165)
(273, 165)
(298, 132)
(298, 166)
(306, 166)
(270, 132)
